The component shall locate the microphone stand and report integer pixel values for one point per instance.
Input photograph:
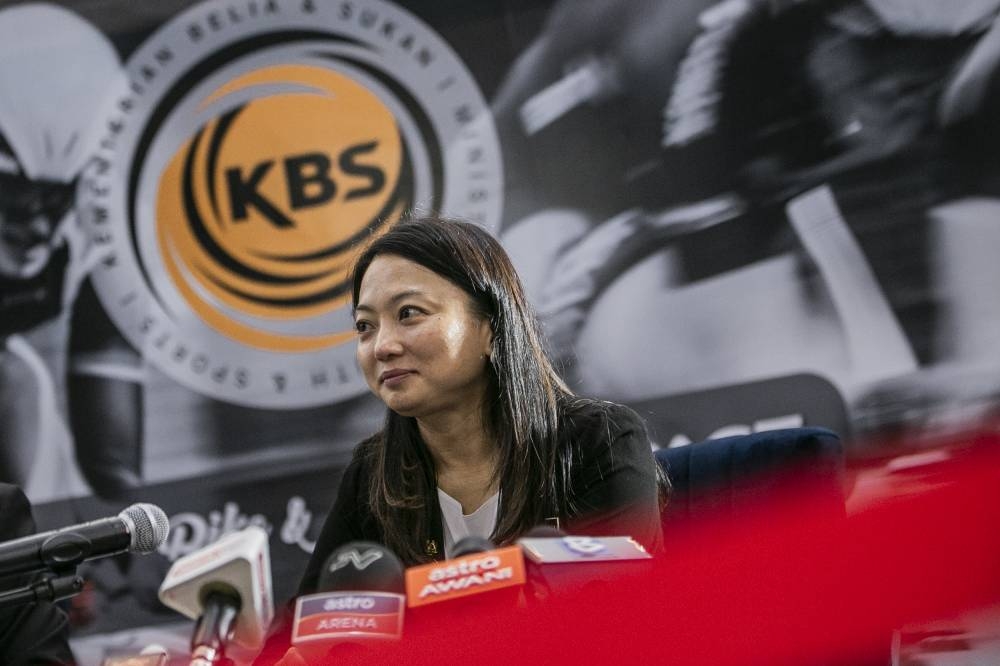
(47, 589)
(215, 628)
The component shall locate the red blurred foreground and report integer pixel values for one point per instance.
(920, 544)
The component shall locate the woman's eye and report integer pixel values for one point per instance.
(408, 311)
(362, 326)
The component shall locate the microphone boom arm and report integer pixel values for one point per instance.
(48, 589)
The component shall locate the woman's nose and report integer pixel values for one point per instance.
(387, 343)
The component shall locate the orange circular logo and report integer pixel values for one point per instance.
(263, 209)
(248, 158)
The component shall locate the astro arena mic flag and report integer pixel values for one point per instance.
(470, 574)
(360, 599)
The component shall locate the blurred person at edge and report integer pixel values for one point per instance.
(481, 436)
(35, 633)
(56, 70)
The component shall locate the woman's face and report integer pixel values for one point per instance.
(422, 348)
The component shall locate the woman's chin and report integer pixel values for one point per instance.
(402, 407)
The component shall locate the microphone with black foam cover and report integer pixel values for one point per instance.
(360, 602)
(471, 544)
(140, 528)
(226, 587)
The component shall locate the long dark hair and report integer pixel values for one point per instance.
(526, 393)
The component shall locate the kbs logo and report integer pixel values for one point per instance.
(256, 147)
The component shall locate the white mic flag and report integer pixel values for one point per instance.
(238, 564)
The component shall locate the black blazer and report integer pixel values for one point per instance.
(35, 633)
(614, 479)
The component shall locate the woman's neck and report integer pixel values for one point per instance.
(465, 458)
(457, 441)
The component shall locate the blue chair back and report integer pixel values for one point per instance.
(728, 476)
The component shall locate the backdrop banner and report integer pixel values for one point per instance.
(732, 216)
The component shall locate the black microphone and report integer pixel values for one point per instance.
(471, 544)
(360, 602)
(140, 528)
(362, 565)
(545, 532)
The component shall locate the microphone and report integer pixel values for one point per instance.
(362, 565)
(544, 532)
(567, 548)
(360, 599)
(471, 544)
(226, 587)
(478, 567)
(563, 564)
(140, 528)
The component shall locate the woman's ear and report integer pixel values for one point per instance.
(488, 352)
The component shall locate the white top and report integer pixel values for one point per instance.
(457, 525)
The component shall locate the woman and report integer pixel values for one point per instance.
(481, 435)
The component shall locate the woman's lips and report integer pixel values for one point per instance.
(394, 377)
